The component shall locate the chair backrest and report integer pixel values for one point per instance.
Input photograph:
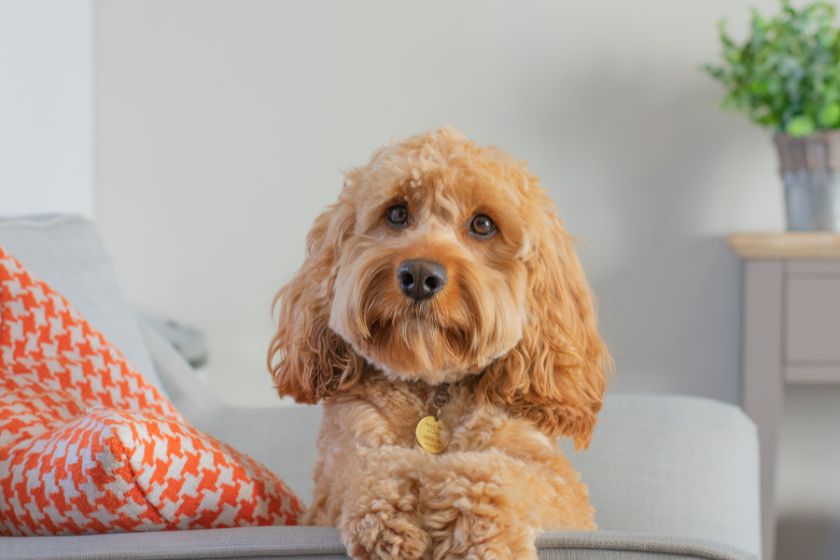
(66, 252)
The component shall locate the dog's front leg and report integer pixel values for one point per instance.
(493, 494)
(380, 517)
(472, 509)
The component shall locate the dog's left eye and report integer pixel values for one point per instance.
(397, 215)
(482, 226)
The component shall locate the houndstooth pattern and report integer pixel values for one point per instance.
(87, 446)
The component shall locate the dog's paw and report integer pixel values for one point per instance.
(473, 519)
(386, 536)
(502, 548)
(473, 537)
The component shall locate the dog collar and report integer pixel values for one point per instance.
(440, 399)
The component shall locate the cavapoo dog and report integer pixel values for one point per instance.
(443, 318)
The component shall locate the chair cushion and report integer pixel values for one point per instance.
(88, 446)
(66, 252)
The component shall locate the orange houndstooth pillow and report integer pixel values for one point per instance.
(87, 446)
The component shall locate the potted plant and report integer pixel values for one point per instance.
(786, 76)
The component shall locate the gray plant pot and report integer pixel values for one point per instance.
(810, 170)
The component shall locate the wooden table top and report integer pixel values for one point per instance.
(786, 245)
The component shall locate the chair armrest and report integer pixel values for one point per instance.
(191, 396)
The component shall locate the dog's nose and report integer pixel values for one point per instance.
(420, 278)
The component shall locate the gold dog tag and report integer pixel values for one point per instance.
(428, 434)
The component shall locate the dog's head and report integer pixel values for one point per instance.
(443, 259)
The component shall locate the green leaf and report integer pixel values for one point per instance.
(800, 126)
(759, 87)
(829, 115)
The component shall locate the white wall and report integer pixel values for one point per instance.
(222, 127)
(46, 106)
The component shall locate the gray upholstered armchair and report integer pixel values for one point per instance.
(671, 477)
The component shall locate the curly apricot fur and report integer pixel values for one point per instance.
(513, 332)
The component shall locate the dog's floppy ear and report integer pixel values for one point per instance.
(555, 376)
(307, 359)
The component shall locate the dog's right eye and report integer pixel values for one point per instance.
(397, 215)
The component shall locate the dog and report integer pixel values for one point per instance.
(443, 318)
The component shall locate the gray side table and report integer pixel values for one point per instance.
(791, 334)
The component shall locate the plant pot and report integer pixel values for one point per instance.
(810, 170)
